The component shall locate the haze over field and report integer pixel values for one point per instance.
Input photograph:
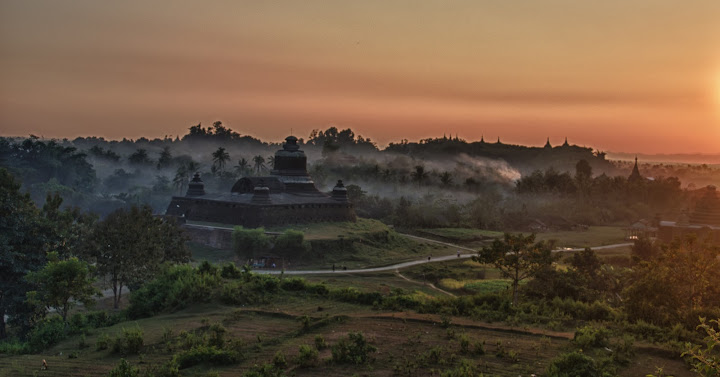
(640, 76)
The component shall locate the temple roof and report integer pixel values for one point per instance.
(635, 175)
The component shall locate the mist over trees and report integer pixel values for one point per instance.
(435, 182)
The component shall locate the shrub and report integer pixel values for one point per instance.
(573, 364)
(279, 360)
(291, 242)
(465, 369)
(591, 337)
(174, 288)
(307, 357)
(352, 350)
(169, 369)
(14, 347)
(129, 342)
(217, 335)
(46, 333)
(103, 342)
(320, 343)
(206, 354)
(266, 370)
(124, 369)
(248, 242)
(230, 271)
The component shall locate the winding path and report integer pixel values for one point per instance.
(416, 262)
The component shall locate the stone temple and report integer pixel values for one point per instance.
(287, 196)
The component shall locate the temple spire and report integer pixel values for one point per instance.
(635, 175)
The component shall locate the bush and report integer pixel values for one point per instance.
(174, 288)
(591, 337)
(206, 354)
(320, 343)
(14, 347)
(248, 242)
(47, 333)
(279, 360)
(291, 242)
(124, 369)
(573, 364)
(129, 342)
(103, 342)
(352, 350)
(307, 357)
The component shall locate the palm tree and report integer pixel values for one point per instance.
(181, 177)
(271, 161)
(259, 163)
(419, 174)
(242, 167)
(446, 178)
(220, 157)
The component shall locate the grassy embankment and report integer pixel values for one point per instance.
(361, 244)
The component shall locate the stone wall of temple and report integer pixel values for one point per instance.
(214, 237)
(253, 216)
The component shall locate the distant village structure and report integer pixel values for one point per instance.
(287, 196)
(703, 221)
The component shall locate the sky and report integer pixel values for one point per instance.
(617, 75)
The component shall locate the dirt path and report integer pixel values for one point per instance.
(431, 285)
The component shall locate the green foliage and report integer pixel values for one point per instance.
(249, 242)
(573, 364)
(352, 350)
(465, 369)
(320, 342)
(307, 356)
(291, 243)
(103, 342)
(704, 357)
(518, 257)
(47, 333)
(588, 337)
(174, 288)
(129, 342)
(279, 360)
(61, 284)
(265, 370)
(130, 247)
(124, 369)
(204, 354)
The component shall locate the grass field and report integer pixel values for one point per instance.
(461, 234)
(408, 344)
(594, 236)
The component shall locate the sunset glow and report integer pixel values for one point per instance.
(615, 75)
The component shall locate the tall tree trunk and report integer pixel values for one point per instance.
(3, 332)
(115, 295)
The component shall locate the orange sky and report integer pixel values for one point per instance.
(619, 75)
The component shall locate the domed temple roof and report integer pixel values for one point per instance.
(290, 161)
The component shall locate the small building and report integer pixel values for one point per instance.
(640, 229)
(287, 196)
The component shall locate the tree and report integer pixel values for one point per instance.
(419, 174)
(271, 161)
(242, 167)
(259, 163)
(583, 171)
(130, 245)
(140, 157)
(518, 257)
(165, 158)
(22, 236)
(220, 157)
(61, 284)
(446, 178)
